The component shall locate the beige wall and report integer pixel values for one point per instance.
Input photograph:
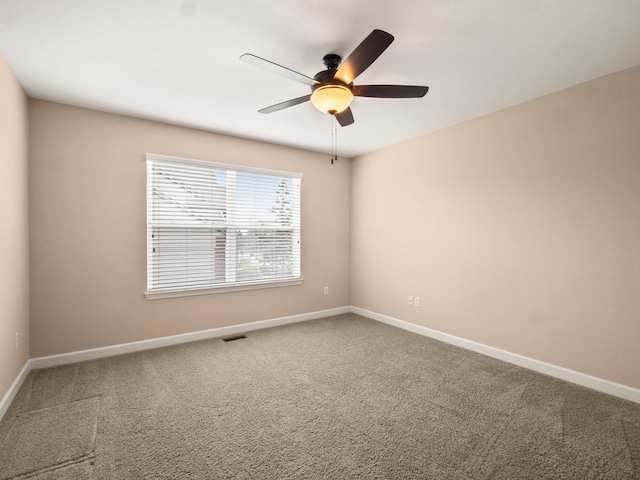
(14, 233)
(88, 225)
(519, 230)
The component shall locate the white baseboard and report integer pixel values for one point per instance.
(112, 350)
(605, 386)
(13, 389)
(595, 383)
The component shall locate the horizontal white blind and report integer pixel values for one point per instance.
(213, 225)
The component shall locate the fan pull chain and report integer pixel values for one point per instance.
(334, 139)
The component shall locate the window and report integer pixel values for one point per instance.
(217, 227)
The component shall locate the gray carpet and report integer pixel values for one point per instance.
(338, 398)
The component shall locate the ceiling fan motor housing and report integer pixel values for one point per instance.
(327, 77)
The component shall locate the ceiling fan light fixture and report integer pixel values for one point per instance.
(332, 99)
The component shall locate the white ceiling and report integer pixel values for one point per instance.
(177, 61)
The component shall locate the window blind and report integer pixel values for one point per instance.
(214, 226)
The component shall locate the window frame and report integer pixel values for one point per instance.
(180, 291)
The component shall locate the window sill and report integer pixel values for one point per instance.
(187, 292)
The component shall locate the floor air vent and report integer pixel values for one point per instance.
(235, 337)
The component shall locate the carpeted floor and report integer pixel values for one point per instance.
(338, 398)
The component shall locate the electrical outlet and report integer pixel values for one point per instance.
(326, 290)
(410, 301)
(17, 340)
(416, 301)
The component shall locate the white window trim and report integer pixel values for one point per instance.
(239, 286)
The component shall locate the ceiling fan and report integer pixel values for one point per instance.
(332, 90)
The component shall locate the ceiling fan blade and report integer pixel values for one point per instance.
(390, 91)
(287, 104)
(277, 69)
(364, 55)
(345, 117)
